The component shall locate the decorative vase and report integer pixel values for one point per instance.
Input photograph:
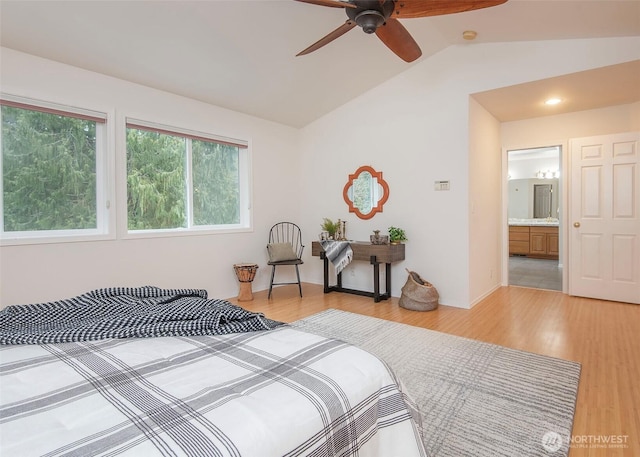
(376, 238)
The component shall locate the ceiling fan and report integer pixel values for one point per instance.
(381, 17)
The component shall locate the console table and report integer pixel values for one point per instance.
(375, 254)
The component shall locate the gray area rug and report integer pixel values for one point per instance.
(476, 399)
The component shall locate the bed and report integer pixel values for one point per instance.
(159, 380)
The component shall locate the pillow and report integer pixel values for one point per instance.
(279, 252)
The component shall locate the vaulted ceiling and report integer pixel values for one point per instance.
(241, 54)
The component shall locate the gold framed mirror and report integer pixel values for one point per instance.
(366, 192)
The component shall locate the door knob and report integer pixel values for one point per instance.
(576, 224)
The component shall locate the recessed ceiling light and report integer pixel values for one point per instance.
(552, 101)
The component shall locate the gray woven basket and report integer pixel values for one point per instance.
(418, 294)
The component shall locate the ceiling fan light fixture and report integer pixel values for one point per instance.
(381, 17)
(370, 20)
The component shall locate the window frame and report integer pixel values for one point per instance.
(244, 175)
(105, 197)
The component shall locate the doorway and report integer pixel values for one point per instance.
(533, 212)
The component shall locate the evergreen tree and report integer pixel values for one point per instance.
(216, 181)
(48, 171)
(155, 180)
(157, 188)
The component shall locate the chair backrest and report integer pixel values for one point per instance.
(287, 232)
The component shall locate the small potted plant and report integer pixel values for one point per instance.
(397, 235)
(330, 227)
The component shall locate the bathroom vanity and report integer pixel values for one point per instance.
(534, 238)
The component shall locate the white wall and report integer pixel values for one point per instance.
(485, 216)
(45, 272)
(542, 131)
(528, 168)
(415, 129)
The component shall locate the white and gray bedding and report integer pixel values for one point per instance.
(279, 392)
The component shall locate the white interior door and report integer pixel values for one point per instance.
(604, 227)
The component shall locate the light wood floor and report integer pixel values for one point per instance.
(603, 336)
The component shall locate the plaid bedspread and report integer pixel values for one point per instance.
(273, 393)
(126, 312)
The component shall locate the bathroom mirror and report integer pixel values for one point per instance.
(366, 192)
(533, 198)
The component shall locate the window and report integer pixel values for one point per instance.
(53, 172)
(179, 180)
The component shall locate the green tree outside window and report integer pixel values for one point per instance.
(48, 171)
(158, 189)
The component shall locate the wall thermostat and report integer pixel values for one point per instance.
(441, 185)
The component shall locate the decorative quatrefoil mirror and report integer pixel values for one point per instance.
(366, 192)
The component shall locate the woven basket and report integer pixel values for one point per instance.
(418, 294)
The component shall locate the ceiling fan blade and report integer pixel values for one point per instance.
(420, 8)
(344, 28)
(398, 39)
(331, 3)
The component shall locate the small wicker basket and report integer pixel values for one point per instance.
(418, 294)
